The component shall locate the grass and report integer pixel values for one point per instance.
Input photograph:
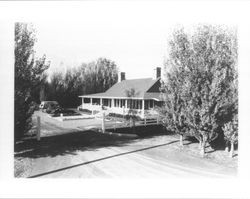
(66, 113)
(22, 167)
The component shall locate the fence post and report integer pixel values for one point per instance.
(38, 136)
(123, 112)
(103, 122)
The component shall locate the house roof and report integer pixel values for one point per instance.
(120, 89)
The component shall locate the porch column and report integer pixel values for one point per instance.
(126, 103)
(82, 102)
(143, 108)
(91, 101)
(101, 101)
(112, 103)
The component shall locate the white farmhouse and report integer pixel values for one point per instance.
(116, 99)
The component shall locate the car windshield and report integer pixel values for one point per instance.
(49, 103)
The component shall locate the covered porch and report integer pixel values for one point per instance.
(120, 105)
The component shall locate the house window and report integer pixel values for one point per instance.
(146, 104)
(105, 102)
(117, 102)
(86, 100)
(123, 103)
(129, 103)
(136, 104)
(151, 104)
(133, 104)
(96, 101)
(158, 103)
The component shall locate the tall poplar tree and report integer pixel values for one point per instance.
(29, 75)
(205, 62)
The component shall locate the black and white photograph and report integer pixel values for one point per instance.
(105, 90)
(89, 120)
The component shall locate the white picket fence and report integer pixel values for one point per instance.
(113, 124)
(148, 122)
(110, 124)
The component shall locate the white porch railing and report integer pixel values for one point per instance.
(122, 111)
(92, 107)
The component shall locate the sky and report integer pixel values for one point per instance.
(133, 35)
(135, 48)
(137, 44)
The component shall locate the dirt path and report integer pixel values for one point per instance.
(157, 157)
(95, 155)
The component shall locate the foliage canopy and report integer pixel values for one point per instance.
(200, 87)
(29, 75)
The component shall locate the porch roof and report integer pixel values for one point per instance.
(147, 96)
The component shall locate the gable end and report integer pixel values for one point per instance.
(155, 88)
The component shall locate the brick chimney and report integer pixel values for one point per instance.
(158, 72)
(122, 76)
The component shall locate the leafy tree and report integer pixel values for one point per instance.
(174, 119)
(29, 75)
(206, 62)
(93, 77)
(99, 75)
(131, 115)
(231, 133)
(230, 127)
(173, 112)
(55, 88)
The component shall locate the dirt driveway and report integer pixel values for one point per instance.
(67, 151)
(95, 155)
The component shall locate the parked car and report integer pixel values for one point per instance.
(48, 106)
(53, 109)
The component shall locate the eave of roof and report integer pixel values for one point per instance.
(147, 96)
(154, 96)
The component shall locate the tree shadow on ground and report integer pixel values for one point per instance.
(235, 155)
(100, 159)
(187, 143)
(216, 145)
(191, 140)
(211, 151)
(77, 141)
